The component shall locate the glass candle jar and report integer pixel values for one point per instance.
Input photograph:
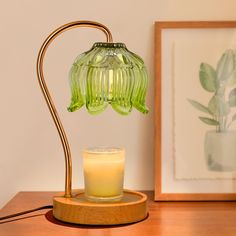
(104, 174)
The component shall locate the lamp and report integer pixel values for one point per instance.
(107, 74)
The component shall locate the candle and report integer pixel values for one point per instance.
(104, 173)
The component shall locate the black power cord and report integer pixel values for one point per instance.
(26, 212)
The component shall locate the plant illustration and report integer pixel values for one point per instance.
(221, 82)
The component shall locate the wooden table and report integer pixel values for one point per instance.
(165, 218)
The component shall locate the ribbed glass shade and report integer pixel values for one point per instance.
(108, 74)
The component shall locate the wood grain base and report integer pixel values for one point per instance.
(132, 208)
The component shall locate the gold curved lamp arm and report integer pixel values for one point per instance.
(51, 106)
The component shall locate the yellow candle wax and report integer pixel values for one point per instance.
(104, 173)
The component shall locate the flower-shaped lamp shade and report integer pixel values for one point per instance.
(108, 74)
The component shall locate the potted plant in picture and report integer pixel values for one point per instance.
(220, 143)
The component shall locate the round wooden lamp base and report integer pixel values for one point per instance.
(132, 208)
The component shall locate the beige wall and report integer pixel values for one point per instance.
(31, 156)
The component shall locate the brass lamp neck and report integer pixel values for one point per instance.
(47, 96)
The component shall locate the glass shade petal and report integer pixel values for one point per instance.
(108, 74)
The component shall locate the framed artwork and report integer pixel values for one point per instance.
(195, 111)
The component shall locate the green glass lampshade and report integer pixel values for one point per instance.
(108, 74)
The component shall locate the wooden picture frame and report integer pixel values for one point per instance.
(162, 165)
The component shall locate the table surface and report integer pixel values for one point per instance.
(165, 218)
